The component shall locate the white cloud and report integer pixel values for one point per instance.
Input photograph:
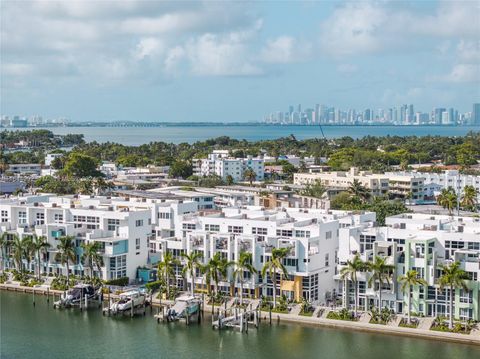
(373, 26)
(285, 49)
(220, 55)
(463, 73)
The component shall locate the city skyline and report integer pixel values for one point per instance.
(234, 61)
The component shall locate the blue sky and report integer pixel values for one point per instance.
(234, 61)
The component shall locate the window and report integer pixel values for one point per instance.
(189, 226)
(118, 267)
(302, 234)
(212, 227)
(58, 217)
(284, 232)
(137, 243)
(235, 229)
(4, 216)
(164, 215)
(139, 223)
(259, 230)
(466, 296)
(328, 235)
(112, 224)
(326, 259)
(22, 217)
(40, 218)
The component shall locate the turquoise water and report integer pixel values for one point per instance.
(140, 135)
(42, 332)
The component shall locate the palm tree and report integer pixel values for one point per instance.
(453, 277)
(21, 248)
(358, 190)
(66, 253)
(91, 256)
(4, 245)
(408, 281)
(469, 198)
(447, 199)
(349, 272)
(192, 262)
(166, 268)
(244, 264)
(274, 265)
(250, 175)
(381, 272)
(39, 245)
(218, 269)
(85, 186)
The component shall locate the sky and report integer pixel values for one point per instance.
(234, 61)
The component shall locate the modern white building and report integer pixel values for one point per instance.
(221, 164)
(122, 226)
(50, 157)
(310, 235)
(418, 242)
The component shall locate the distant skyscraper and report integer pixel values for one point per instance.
(437, 115)
(476, 114)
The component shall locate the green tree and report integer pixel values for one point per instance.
(40, 246)
(274, 265)
(21, 249)
(91, 256)
(218, 269)
(349, 272)
(180, 169)
(4, 246)
(192, 263)
(316, 189)
(79, 165)
(380, 273)
(66, 253)
(250, 175)
(447, 199)
(452, 278)
(243, 265)
(229, 180)
(409, 280)
(469, 198)
(85, 186)
(166, 269)
(358, 190)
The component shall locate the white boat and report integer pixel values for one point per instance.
(128, 299)
(184, 306)
(77, 296)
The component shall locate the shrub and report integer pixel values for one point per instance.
(153, 286)
(122, 282)
(343, 314)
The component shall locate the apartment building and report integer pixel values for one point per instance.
(310, 235)
(434, 182)
(122, 229)
(221, 164)
(25, 168)
(396, 185)
(418, 242)
(376, 183)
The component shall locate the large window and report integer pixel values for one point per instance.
(112, 224)
(118, 267)
(235, 229)
(22, 217)
(212, 227)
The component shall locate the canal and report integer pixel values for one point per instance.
(42, 332)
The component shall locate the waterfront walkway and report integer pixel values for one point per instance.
(363, 325)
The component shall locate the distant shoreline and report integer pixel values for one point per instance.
(219, 124)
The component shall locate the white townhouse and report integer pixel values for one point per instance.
(310, 235)
(122, 229)
(419, 242)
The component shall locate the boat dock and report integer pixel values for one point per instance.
(238, 318)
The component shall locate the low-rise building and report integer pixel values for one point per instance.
(420, 242)
(221, 164)
(25, 168)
